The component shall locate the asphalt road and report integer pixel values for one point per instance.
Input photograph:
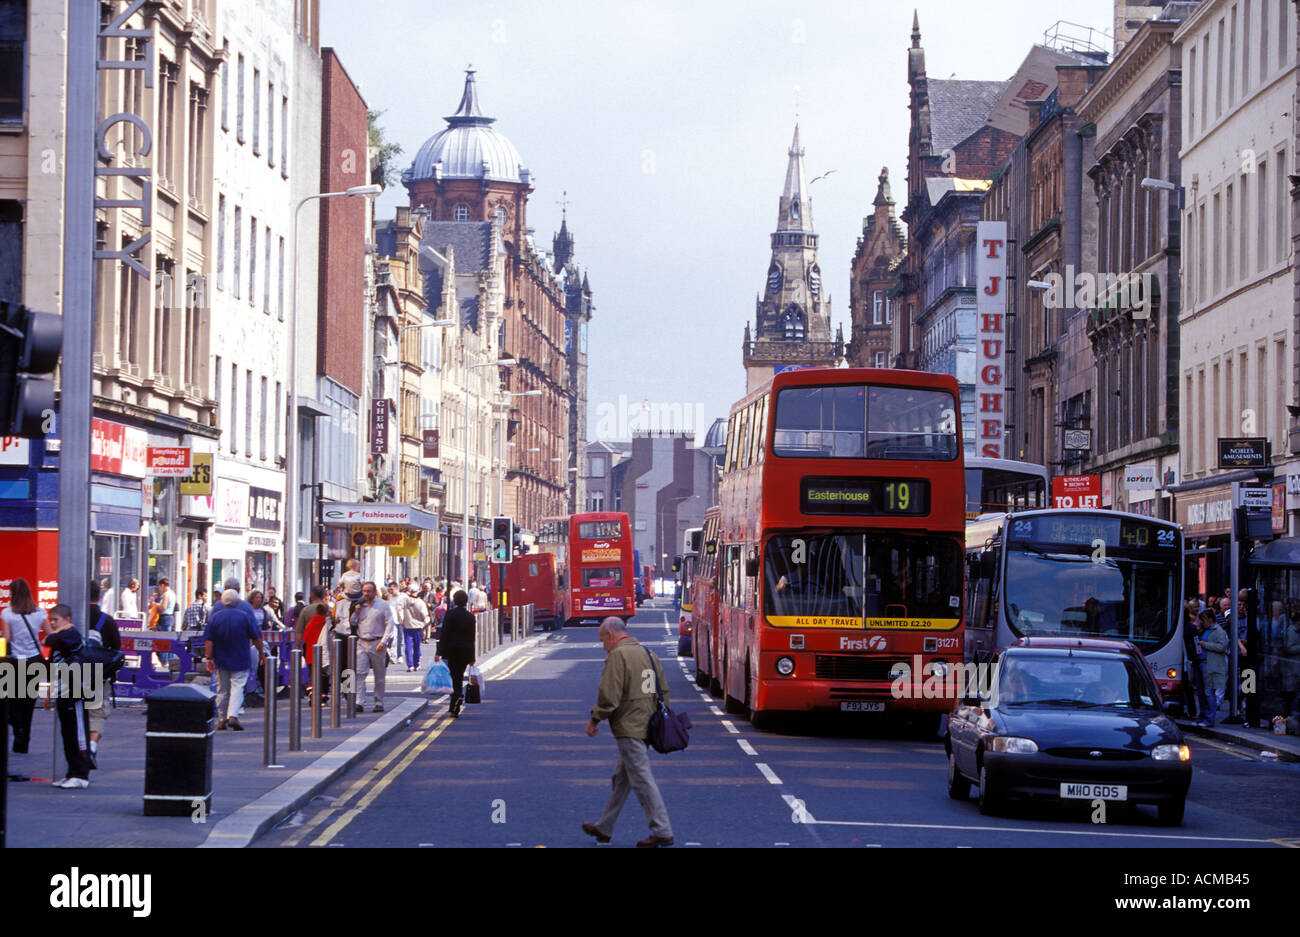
(518, 771)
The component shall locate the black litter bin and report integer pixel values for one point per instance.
(179, 727)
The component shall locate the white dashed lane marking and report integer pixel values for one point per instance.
(729, 727)
(746, 747)
(768, 773)
(716, 711)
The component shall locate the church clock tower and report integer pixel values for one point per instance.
(793, 316)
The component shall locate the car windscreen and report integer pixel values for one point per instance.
(1070, 680)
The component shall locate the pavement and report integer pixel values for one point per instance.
(1280, 747)
(248, 797)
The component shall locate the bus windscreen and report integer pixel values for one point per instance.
(865, 421)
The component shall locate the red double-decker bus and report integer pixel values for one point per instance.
(600, 567)
(704, 602)
(840, 546)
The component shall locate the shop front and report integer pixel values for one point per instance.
(1205, 513)
(385, 537)
(247, 541)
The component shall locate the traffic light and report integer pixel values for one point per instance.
(519, 542)
(30, 343)
(503, 538)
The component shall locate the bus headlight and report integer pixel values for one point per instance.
(785, 666)
(1171, 753)
(1011, 745)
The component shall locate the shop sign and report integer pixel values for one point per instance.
(379, 426)
(1139, 477)
(232, 503)
(1293, 484)
(14, 451)
(990, 336)
(431, 444)
(199, 479)
(168, 460)
(1279, 508)
(1205, 514)
(263, 509)
(1076, 491)
(378, 536)
(118, 450)
(1243, 453)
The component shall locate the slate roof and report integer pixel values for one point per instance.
(959, 108)
(470, 239)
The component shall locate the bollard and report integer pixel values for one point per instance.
(295, 700)
(316, 692)
(336, 644)
(352, 671)
(270, 709)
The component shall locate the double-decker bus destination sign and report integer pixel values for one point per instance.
(865, 496)
(1243, 453)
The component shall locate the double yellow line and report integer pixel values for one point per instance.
(367, 788)
(370, 787)
(515, 667)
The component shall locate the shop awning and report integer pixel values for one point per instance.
(1284, 551)
(335, 514)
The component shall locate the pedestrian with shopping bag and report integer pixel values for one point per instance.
(456, 646)
(628, 698)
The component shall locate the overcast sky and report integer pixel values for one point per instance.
(668, 123)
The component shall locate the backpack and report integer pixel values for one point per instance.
(93, 651)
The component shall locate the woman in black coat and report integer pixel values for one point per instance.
(456, 644)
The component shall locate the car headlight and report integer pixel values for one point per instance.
(1011, 745)
(938, 669)
(785, 666)
(1171, 753)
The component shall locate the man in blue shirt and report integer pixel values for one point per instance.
(225, 645)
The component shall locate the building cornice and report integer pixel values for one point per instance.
(1154, 37)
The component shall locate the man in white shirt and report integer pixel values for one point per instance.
(373, 621)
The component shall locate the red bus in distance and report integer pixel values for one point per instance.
(840, 545)
(598, 571)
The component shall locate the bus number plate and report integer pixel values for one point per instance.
(861, 706)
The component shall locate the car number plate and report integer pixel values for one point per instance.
(1094, 791)
(862, 707)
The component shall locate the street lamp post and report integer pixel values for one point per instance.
(469, 395)
(291, 443)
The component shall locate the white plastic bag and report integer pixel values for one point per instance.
(474, 675)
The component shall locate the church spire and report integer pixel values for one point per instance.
(916, 30)
(796, 207)
(882, 189)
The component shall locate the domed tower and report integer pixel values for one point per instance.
(793, 316)
(469, 171)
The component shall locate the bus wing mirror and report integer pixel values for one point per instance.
(988, 564)
(751, 566)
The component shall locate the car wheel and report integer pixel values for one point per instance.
(958, 783)
(989, 802)
(1170, 812)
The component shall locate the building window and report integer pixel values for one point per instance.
(284, 137)
(221, 242)
(225, 87)
(878, 308)
(238, 254)
(239, 99)
(1261, 215)
(198, 128)
(270, 123)
(461, 213)
(234, 407)
(252, 262)
(1281, 203)
(280, 293)
(262, 423)
(248, 414)
(162, 316)
(279, 412)
(266, 282)
(13, 54)
(217, 379)
(257, 111)
(165, 132)
(194, 303)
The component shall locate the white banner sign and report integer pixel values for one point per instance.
(990, 338)
(1139, 478)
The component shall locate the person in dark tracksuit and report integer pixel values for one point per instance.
(65, 642)
(457, 645)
